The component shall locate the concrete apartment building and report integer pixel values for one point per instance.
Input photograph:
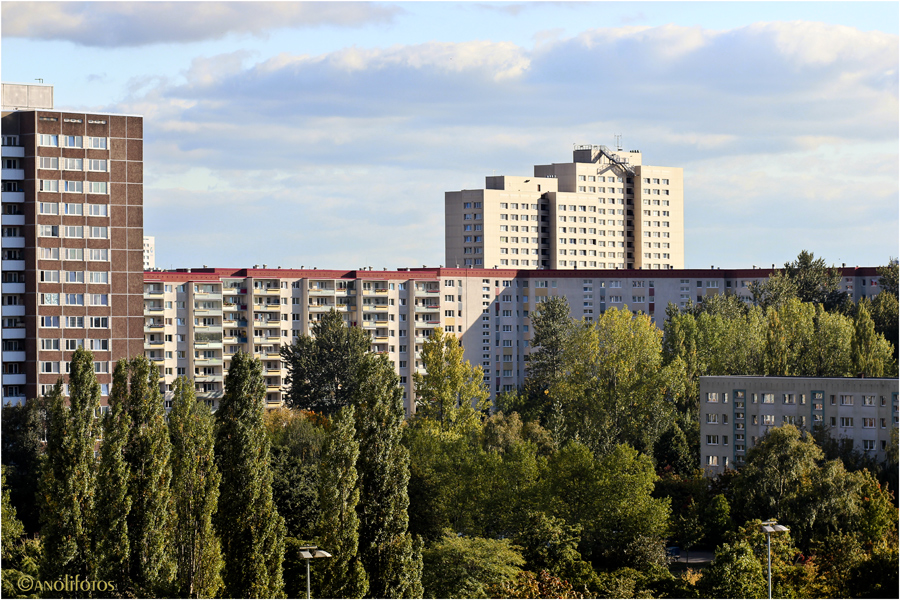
(604, 210)
(735, 412)
(72, 227)
(195, 320)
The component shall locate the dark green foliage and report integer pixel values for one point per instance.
(468, 567)
(323, 369)
(387, 548)
(550, 324)
(12, 529)
(247, 522)
(337, 530)
(673, 454)
(195, 490)
(69, 474)
(148, 454)
(24, 427)
(890, 277)
(113, 544)
(296, 445)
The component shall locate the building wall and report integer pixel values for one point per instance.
(736, 412)
(72, 244)
(149, 252)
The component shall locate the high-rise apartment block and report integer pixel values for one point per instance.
(72, 240)
(604, 210)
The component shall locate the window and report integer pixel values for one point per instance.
(49, 208)
(100, 233)
(74, 253)
(768, 419)
(712, 396)
(75, 299)
(74, 276)
(76, 322)
(76, 187)
(712, 418)
(846, 421)
(768, 398)
(99, 322)
(98, 210)
(48, 140)
(868, 400)
(50, 276)
(712, 461)
(96, 165)
(869, 445)
(788, 399)
(868, 422)
(49, 321)
(846, 400)
(97, 143)
(98, 277)
(98, 254)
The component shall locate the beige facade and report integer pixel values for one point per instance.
(736, 412)
(196, 320)
(604, 210)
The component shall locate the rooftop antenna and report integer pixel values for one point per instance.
(40, 79)
(618, 137)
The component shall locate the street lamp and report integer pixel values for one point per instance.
(310, 552)
(769, 527)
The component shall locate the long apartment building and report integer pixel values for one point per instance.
(195, 320)
(603, 210)
(736, 412)
(72, 228)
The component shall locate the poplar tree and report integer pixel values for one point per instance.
(390, 556)
(341, 576)
(863, 344)
(147, 453)
(113, 546)
(69, 474)
(195, 489)
(249, 526)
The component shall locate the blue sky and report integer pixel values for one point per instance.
(325, 134)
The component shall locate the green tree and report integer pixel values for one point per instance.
(113, 478)
(672, 452)
(890, 278)
(777, 289)
(24, 428)
(296, 439)
(12, 528)
(467, 567)
(550, 323)
(451, 392)
(734, 573)
(885, 310)
(777, 359)
(323, 369)
(248, 524)
(148, 454)
(612, 390)
(869, 352)
(775, 471)
(195, 489)
(342, 576)
(68, 483)
(390, 555)
(815, 282)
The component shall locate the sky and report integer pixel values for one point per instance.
(325, 134)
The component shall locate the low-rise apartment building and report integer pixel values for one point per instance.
(736, 412)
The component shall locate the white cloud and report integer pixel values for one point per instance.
(114, 24)
(351, 151)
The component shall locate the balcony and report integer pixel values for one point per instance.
(153, 343)
(13, 288)
(153, 325)
(14, 332)
(321, 307)
(13, 174)
(13, 311)
(14, 378)
(12, 219)
(320, 292)
(13, 400)
(14, 242)
(13, 152)
(153, 308)
(13, 265)
(13, 196)
(208, 362)
(153, 291)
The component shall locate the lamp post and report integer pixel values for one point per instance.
(769, 527)
(310, 552)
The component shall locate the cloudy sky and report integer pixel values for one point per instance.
(325, 134)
